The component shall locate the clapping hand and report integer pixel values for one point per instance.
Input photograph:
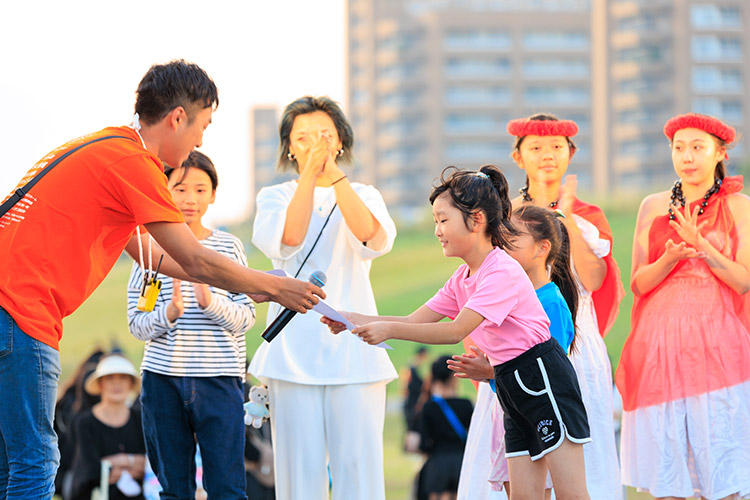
(202, 294)
(176, 306)
(568, 194)
(474, 366)
(675, 252)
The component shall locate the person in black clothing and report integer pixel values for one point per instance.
(414, 388)
(443, 426)
(110, 431)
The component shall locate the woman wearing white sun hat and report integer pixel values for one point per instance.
(110, 431)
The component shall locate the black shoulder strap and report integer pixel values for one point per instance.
(316, 240)
(21, 192)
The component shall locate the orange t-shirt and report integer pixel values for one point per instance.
(60, 241)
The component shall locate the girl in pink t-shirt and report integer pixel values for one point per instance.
(491, 299)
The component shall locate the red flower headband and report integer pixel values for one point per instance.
(709, 124)
(523, 127)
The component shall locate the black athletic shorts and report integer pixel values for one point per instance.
(541, 398)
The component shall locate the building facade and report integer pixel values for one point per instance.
(433, 83)
(670, 57)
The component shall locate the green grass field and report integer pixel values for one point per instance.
(403, 280)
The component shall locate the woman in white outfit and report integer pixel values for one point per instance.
(327, 392)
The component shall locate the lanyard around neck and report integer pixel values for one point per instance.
(140, 254)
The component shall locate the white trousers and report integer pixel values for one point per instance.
(338, 425)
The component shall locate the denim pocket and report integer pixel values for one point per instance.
(6, 333)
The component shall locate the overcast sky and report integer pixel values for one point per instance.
(71, 68)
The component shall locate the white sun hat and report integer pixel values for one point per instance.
(111, 365)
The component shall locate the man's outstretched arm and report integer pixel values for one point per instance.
(185, 258)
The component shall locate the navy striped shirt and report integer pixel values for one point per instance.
(202, 342)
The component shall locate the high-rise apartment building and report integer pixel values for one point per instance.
(670, 57)
(264, 136)
(433, 83)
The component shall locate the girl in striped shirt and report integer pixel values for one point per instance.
(194, 361)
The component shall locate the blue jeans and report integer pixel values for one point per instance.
(178, 410)
(29, 372)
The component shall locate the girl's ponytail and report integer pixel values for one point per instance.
(561, 273)
(503, 189)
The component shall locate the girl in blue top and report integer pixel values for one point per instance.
(542, 248)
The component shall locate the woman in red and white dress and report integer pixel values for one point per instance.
(684, 373)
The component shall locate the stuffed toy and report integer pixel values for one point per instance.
(256, 410)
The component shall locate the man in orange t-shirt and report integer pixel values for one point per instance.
(63, 237)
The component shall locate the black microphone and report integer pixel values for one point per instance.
(316, 278)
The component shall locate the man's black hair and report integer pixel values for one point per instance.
(176, 83)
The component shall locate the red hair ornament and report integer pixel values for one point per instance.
(708, 124)
(524, 126)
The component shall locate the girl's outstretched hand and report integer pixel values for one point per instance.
(334, 326)
(374, 333)
(474, 366)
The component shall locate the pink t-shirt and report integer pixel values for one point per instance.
(500, 290)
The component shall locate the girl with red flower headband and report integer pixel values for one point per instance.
(684, 373)
(543, 149)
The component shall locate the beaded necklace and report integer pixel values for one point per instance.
(678, 197)
(527, 198)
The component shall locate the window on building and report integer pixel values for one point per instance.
(641, 148)
(725, 109)
(360, 96)
(716, 48)
(556, 41)
(399, 98)
(480, 151)
(639, 85)
(399, 70)
(583, 121)
(643, 116)
(482, 123)
(555, 68)
(476, 67)
(400, 42)
(545, 96)
(713, 79)
(642, 22)
(489, 96)
(643, 54)
(401, 154)
(399, 126)
(711, 16)
(478, 40)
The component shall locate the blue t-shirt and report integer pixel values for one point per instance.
(560, 319)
